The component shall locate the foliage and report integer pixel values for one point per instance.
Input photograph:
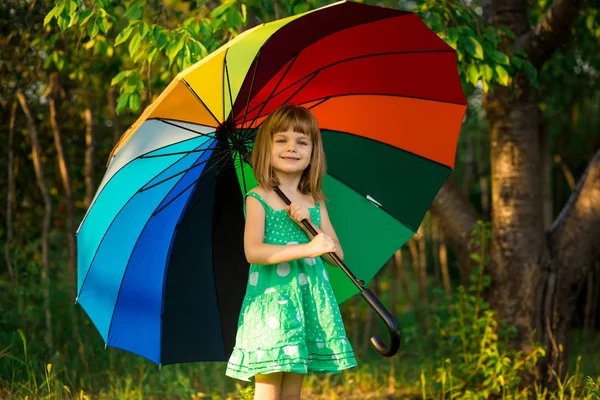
(465, 357)
(138, 47)
(161, 44)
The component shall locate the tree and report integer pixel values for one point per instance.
(536, 273)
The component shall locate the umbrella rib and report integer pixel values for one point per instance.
(262, 104)
(272, 91)
(111, 224)
(353, 135)
(185, 128)
(199, 99)
(127, 265)
(225, 153)
(125, 165)
(402, 14)
(242, 170)
(177, 174)
(228, 85)
(251, 88)
(414, 231)
(322, 100)
(204, 191)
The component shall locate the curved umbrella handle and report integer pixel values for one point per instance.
(374, 303)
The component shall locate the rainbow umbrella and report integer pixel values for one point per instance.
(162, 271)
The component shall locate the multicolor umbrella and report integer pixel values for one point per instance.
(162, 271)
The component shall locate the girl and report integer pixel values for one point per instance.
(290, 322)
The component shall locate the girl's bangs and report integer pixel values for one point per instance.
(296, 122)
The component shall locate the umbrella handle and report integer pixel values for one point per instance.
(373, 301)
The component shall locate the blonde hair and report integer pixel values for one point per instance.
(290, 118)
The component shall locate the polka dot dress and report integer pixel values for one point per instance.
(290, 320)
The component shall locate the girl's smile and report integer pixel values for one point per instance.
(291, 152)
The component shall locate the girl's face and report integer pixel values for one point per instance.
(291, 152)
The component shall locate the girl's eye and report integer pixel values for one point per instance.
(280, 141)
(303, 143)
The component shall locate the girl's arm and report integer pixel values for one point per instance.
(256, 250)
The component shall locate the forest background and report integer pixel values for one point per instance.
(498, 295)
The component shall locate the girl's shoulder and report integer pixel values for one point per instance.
(260, 195)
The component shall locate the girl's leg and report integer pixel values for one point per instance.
(291, 386)
(267, 386)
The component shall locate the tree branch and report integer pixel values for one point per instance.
(573, 238)
(551, 32)
(457, 219)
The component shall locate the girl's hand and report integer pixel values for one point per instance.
(319, 245)
(298, 212)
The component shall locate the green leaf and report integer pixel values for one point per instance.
(531, 73)
(63, 22)
(124, 35)
(486, 72)
(122, 102)
(205, 30)
(134, 45)
(473, 47)
(174, 49)
(220, 10)
(492, 36)
(51, 14)
(517, 62)
(72, 8)
(85, 17)
(161, 40)
(486, 87)
(93, 28)
(500, 58)
(502, 75)
(152, 54)
(133, 84)
(143, 29)
(103, 23)
(134, 13)
(472, 74)
(301, 8)
(134, 102)
(119, 77)
(59, 61)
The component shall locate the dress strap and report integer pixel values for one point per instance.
(257, 197)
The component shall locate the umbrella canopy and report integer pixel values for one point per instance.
(162, 271)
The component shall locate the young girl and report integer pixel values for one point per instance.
(290, 322)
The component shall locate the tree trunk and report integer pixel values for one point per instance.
(36, 151)
(483, 178)
(90, 146)
(468, 176)
(54, 93)
(393, 287)
(422, 263)
(546, 159)
(457, 219)
(590, 297)
(112, 106)
(11, 193)
(535, 275)
(574, 246)
(443, 257)
(518, 246)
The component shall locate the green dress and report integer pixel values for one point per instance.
(289, 320)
